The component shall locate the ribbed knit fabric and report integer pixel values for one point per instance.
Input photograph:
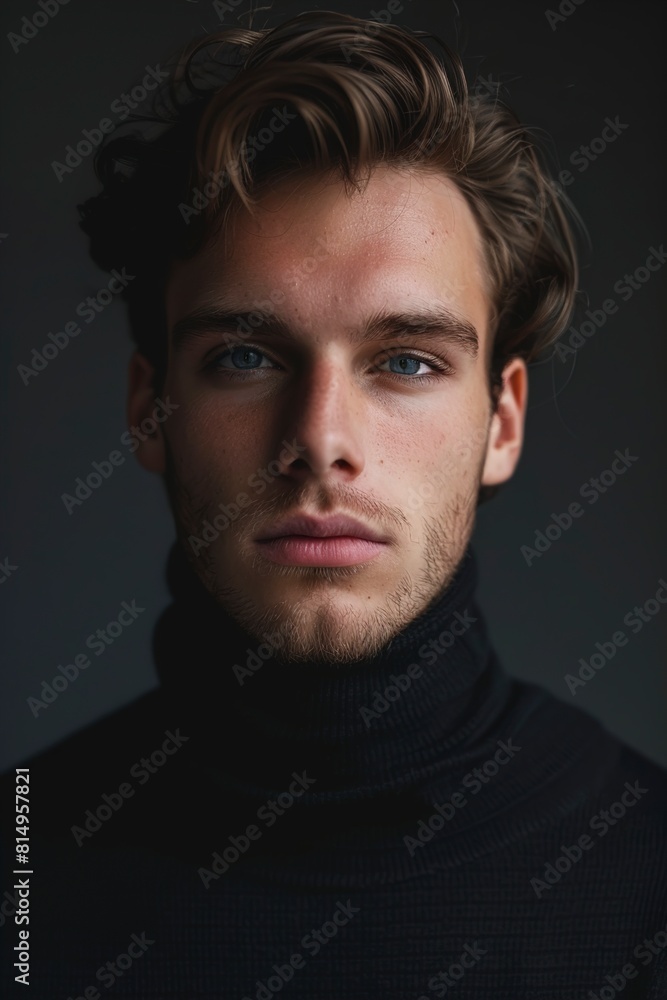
(411, 826)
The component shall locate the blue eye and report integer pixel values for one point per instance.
(239, 361)
(243, 357)
(403, 362)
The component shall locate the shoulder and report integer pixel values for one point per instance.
(80, 765)
(577, 778)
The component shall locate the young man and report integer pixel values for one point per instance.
(344, 264)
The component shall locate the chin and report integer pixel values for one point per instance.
(316, 625)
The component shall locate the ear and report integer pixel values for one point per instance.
(142, 414)
(507, 425)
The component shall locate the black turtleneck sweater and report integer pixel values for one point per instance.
(413, 826)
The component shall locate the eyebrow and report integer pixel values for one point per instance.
(434, 321)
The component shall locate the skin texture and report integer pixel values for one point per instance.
(406, 458)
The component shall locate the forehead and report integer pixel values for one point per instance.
(326, 258)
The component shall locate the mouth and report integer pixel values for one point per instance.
(309, 550)
(338, 540)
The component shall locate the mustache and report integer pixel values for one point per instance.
(322, 500)
(199, 498)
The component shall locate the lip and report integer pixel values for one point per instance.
(335, 526)
(313, 550)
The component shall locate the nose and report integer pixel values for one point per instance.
(325, 415)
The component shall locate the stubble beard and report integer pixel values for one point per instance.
(326, 630)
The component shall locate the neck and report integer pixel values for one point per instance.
(431, 724)
(358, 726)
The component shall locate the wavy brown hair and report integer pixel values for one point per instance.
(361, 93)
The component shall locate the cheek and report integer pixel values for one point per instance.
(201, 440)
(436, 462)
(211, 412)
(452, 427)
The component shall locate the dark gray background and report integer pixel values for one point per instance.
(605, 59)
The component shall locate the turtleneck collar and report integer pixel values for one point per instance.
(363, 726)
(379, 753)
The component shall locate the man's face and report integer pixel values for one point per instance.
(306, 417)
